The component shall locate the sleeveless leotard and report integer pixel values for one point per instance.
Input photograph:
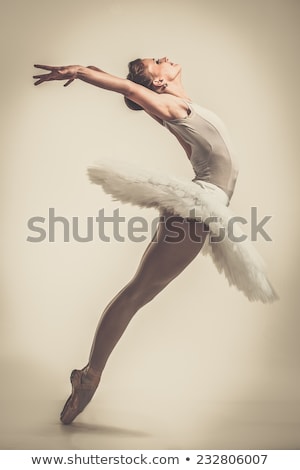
(209, 148)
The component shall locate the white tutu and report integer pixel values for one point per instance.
(239, 261)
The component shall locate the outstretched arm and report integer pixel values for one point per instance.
(162, 106)
(91, 74)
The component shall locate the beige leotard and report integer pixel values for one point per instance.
(208, 144)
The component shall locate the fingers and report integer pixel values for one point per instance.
(46, 67)
(69, 82)
(38, 82)
(40, 76)
(46, 78)
(56, 73)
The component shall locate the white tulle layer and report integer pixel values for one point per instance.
(239, 261)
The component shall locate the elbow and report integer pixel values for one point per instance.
(128, 91)
(129, 96)
(132, 104)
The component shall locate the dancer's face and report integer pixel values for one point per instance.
(162, 68)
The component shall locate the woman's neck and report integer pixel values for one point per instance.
(176, 89)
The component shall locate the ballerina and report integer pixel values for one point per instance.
(198, 207)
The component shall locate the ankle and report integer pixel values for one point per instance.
(90, 375)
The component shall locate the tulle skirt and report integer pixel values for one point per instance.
(233, 254)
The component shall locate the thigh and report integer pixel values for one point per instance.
(175, 244)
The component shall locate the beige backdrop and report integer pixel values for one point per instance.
(199, 367)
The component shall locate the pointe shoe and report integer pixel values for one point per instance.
(81, 395)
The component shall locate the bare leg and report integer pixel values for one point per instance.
(168, 254)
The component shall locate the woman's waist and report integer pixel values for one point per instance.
(214, 190)
(225, 180)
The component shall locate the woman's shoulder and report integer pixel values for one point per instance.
(170, 108)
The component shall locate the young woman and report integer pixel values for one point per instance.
(191, 211)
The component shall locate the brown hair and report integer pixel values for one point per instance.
(137, 74)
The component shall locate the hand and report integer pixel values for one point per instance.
(68, 73)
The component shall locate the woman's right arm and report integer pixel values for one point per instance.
(159, 105)
(90, 74)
